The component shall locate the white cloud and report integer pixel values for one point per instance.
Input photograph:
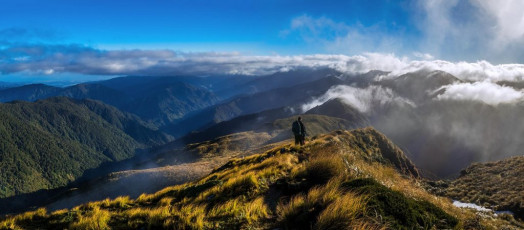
(85, 60)
(423, 56)
(363, 99)
(472, 29)
(487, 92)
(339, 37)
(509, 19)
(455, 30)
(467, 71)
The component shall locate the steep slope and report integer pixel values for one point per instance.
(337, 181)
(143, 132)
(164, 103)
(51, 142)
(498, 185)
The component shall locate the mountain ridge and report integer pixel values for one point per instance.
(320, 185)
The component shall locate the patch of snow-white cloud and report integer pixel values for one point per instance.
(472, 29)
(487, 92)
(508, 20)
(467, 71)
(423, 56)
(362, 99)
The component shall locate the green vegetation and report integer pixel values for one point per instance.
(48, 143)
(326, 184)
(398, 210)
(497, 185)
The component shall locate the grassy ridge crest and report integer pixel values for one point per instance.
(341, 180)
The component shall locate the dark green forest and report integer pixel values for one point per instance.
(48, 143)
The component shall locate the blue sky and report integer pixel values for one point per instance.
(248, 26)
(65, 32)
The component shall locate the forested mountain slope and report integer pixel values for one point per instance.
(51, 142)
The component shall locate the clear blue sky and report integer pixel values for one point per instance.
(53, 38)
(244, 25)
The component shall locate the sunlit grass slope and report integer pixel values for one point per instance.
(342, 180)
(497, 185)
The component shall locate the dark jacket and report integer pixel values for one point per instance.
(298, 128)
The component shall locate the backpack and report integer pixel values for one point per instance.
(295, 128)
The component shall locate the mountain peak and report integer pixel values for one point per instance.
(378, 148)
(338, 108)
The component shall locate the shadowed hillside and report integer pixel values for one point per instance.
(254, 103)
(160, 100)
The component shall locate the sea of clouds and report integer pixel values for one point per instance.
(479, 77)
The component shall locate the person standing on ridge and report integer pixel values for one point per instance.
(299, 130)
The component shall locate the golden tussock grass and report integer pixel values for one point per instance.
(95, 219)
(256, 210)
(286, 186)
(190, 217)
(324, 207)
(341, 213)
(11, 222)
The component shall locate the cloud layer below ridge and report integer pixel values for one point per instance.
(79, 59)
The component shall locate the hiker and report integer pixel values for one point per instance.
(299, 130)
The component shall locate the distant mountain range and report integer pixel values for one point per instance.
(291, 97)
(5, 85)
(404, 107)
(157, 100)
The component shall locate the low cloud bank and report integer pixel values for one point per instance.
(487, 92)
(363, 99)
(79, 59)
(467, 71)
